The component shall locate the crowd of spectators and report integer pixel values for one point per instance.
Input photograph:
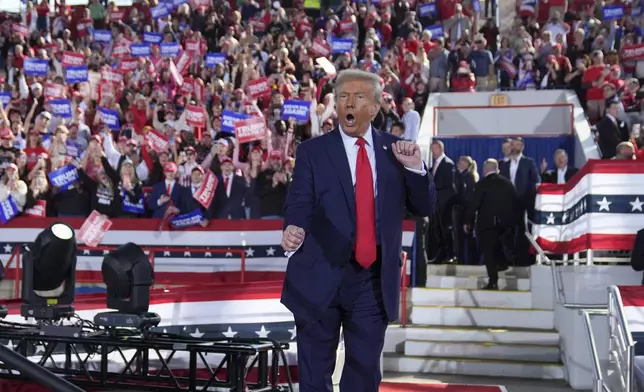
(132, 111)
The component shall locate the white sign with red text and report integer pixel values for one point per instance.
(93, 229)
(206, 192)
(250, 130)
(158, 141)
(195, 116)
(259, 88)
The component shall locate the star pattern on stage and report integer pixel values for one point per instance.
(636, 205)
(250, 252)
(605, 204)
(229, 333)
(293, 332)
(262, 333)
(197, 334)
(551, 219)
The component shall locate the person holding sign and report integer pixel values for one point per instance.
(12, 186)
(343, 217)
(38, 194)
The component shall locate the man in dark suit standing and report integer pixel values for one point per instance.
(443, 172)
(230, 193)
(524, 175)
(343, 225)
(494, 201)
(562, 174)
(611, 131)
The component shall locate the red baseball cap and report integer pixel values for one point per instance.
(170, 167)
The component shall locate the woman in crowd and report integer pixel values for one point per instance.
(39, 192)
(12, 186)
(105, 196)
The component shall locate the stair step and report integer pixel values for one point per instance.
(483, 317)
(474, 334)
(472, 367)
(473, 270)
(476, 282)
(483, 350)
(471, 298)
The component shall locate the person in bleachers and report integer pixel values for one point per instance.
(562, 174)
(625, 151)
(387, 116)
(411, 119)
(103, 190)
(168, 196)
(443, 171)
(493, 205)
(11, 185)
(523, 174)
(464, 243)
(611, 131)
(271, 187)
(398, 129)
(230, 194)
(191, 204)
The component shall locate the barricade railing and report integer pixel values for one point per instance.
(621, 347)
(404, 283)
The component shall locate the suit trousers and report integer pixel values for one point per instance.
(358, 308)
(496, 248)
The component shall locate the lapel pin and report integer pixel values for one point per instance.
(384, 147)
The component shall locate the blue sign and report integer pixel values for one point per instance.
(427, 10)
(193, 218)
(177, 3)
(299, 110)
(8, 210)
(476, 5)
(341, 45)
(613, 12)
(110, 118)
(61, 108)
(140, 50)
(160, 11)
(636, 12)
(72, 149)
(103, 36)
(212, 59)
(170, 49)
(133, 208)
(436, 30)
(152, 38)
(64, 178)
(76, 74)
(36, 67)
(228, 120)
(5, 98)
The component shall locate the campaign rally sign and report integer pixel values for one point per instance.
(177, 3)
(250, 130)
(299, 110)
(613, 11)
(36, 67)
(427, 10)
(633, 52)
(436, 30)
(103, 36)
(140, 50)
(152, 38)
(175, 74)
(183, 62)
(61, 108)
(159, 11)
(109, 75)
(73, 59)
(212, 59)
(54, 90)
(133, 208)
(341, 45)
(64, 178)
(120, 50)
(476, 5)
(158, 141)
(39, 210)
(5, 98)
(93, 229)
(170, 49)
(190, 219)
(259, 88)
(110, 118)
(76, 74)
(206, 191)
(8, 210)
(20, 29)
(195, 116)
(228, 120)
(128, 64)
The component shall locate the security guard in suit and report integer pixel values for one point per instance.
(494, 206)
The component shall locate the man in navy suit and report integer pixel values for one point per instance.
(524, 175)
(343, 230)
(230, 193)
(168, 194)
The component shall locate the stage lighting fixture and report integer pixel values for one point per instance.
(128, 276)
(49, 274)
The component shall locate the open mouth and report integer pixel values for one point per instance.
(350, 120)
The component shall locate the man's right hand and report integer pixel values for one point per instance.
(292, 238)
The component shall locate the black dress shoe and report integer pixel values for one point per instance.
(491, 286)
(502, 268)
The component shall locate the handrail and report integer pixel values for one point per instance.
(599, 376)
(624, 349)
(614, 291)
(404, 282)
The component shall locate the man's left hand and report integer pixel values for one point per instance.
(407, 153)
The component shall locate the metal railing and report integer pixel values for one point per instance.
(600, 383)
(621, 347)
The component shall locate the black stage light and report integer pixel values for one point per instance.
(49, 274)
(128, 276)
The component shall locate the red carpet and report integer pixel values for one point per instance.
(409, 387)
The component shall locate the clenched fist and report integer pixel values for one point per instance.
(292, 238)
(407, 153)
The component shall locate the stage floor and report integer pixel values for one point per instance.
(510, 384)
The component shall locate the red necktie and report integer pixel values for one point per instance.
(168, 190)
(365, 247)
(226, 185)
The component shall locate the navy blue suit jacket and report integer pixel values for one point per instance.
(178, 197)
(224, 206)
(525, 183)
(321, 200)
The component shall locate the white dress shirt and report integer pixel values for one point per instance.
(411, 119)
(229, 185)
(352, 155)
(514, 167)
(561, 175)
(436, 163)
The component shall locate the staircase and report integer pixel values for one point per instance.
(456, 328)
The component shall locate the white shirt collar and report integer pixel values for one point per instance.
(562, 170)
(518, 157)
(350, 141)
